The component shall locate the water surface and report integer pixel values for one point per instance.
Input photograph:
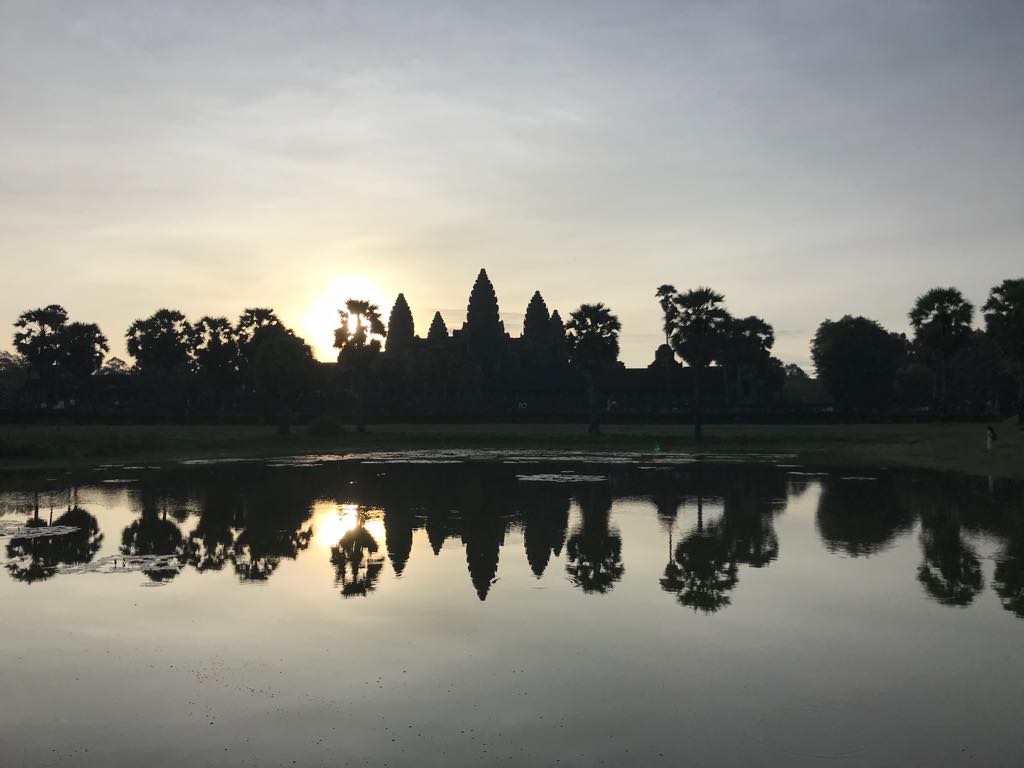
(512, 611)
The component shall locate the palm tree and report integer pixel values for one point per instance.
(1004, 320)
(695, 322)
(593, 337)
(941, 319)
(215, 349)
(358, 341)
(38, 341)
(664, 295)
(746, 349)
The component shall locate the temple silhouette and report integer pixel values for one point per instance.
(481, 370)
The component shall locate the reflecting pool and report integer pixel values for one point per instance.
(409, 610)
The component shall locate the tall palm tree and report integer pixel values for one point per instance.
(215, 350)
(358, 341)
(941, 319)
(664, 295)
(593, 338)
(696, 323)
(37, 340)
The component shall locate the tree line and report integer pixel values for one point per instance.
(256, 367)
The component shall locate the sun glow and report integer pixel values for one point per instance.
(322, 318)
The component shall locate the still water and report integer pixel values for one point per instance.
(510, 610)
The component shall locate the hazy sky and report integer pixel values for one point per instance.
(808, 158)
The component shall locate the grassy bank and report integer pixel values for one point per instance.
(959, 447)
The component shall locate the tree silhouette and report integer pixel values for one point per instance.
(746, 350)
(860, 518)
(1004, 320)
(357, 562)
(594, 550)
(593, 340)
(696, 324)
(13, 370)
(250, 321)
(748, 518)
(161, 343)
(401, 331)
(280, 366)
(1008, 579)
(857, 360)
(114, 366)
(357, 340)
(666, 296)
(215, 350)
(950, 571)
(153, 534)
(83, 347)
(212, 542)
(703, 572)
(38, 558)
(38, 341)
(941, 319)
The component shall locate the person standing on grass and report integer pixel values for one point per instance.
(990, 438)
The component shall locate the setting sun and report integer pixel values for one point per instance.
(322, 318)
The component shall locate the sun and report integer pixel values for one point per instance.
(322, 317)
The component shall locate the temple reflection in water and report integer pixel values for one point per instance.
(718, 522)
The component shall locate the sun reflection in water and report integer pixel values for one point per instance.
(331, 521)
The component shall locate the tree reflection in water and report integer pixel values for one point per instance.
(274, 515)
(703, 568)
(1008, 580)
(357, 561)
(860, 518)
(702, 571)
(594, 549)
(950, 570)
(153, 534)
(39, 558)
(252, 518)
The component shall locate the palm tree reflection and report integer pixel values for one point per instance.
(594, 549)
(357, 560)
(702, 571)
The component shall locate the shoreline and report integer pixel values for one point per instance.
(944, 447)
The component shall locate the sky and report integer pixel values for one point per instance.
(807, 158)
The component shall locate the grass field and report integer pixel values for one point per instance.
(959, 447)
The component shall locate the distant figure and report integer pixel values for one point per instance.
(990, 438)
